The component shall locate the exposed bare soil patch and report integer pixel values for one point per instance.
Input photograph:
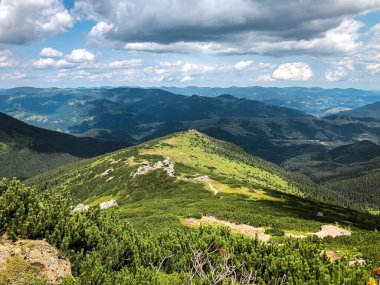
(239, 229)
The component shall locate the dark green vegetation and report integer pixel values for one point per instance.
(105, 249)
(249, 191)
(352, 170)
(27, 150)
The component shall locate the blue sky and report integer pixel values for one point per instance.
(330, 43)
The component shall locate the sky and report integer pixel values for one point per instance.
(85, 43)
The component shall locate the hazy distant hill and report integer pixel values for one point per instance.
(316, 101)
(78, 110)
(367, 111)
(138, 114)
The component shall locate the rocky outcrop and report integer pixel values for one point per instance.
(80, 208)
(36, 253)
(107, 172)
(108, 204)
(143, 169)
(356, 262)
(167, 165)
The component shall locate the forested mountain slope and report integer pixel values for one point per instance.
(352, 170)
(27, 150)
(367, 111)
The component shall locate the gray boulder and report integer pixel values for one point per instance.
(80, 208)
(108, 204)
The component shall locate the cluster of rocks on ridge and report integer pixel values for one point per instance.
(167, 165)
(103, 206)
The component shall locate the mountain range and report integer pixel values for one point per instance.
(315, 101)
(136, 114)
(141, 185)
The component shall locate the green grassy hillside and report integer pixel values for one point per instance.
(239, 188)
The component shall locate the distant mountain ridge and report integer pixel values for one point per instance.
(367, 111)
(315, 101)
(138, 114)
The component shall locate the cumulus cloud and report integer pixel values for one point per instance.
(23, 21)
(369, 57)
(43, 63)
(6, 59)
(341, 71)
(15, 75)
(214, 26)
(81, 64)
(297, 71)
(125, 63)
(96, 75)
(52, 58)
(265, 78)
(180, 71)
(243, 65)
(50, 52)
(80, 55)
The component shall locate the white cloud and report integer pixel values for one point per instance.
(122, 75)
(43, 63)
(182, 47)
(341, 71)
(15, 75)
(6, 60)
(266, 66)
(186, 78)
(98, 32)
(243, 65)
(80, 55)
(265, 78)
(23, 21)
(297, 71)
(180, 71)
(369, 58)
(126, 63)
(50, 52)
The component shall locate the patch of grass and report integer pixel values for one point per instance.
(18, 271)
